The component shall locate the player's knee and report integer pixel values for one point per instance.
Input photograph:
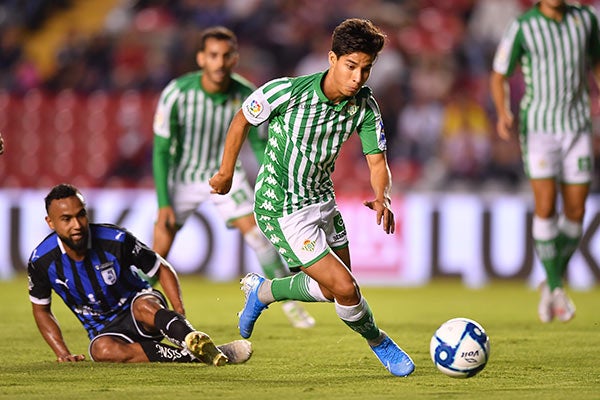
(346, 291)
(144, 308)
(103, 350)
(574, 213)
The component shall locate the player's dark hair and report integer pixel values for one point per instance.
(219, 33)
(62, 191)
(356, 35)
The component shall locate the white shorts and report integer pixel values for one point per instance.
(239, 202)
(565, 156)
(307, 235)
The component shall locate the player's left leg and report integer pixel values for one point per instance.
(352, 308)
(576, 175)
(546, 238)
(151, 315)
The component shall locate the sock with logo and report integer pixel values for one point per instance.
(172, 325)
(360, 319)
(546, 238)
(296, 287)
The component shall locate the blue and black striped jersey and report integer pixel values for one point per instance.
(101, 286)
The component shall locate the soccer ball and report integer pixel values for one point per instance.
(460, 348)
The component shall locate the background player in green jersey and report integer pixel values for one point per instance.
(191, 120)
(554, 42)
(309, 118)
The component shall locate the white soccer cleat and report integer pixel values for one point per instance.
(203, 348)
(562, 306)
(297, 315)
(237, 352)
(545, 311)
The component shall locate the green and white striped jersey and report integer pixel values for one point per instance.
(306, 132)
(190, 126)
(555, 57)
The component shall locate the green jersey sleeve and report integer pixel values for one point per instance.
(370, 131)
(509, 50)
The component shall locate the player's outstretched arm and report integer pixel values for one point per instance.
(381, 182)
(236, 135)
(170, 283)
(50, 330)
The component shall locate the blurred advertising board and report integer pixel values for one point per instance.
(472, 237)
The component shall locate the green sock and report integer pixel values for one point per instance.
(547, 250)
(360, 319)
(566, 246)
(293, 287)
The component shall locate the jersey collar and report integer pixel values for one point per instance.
(219, 97)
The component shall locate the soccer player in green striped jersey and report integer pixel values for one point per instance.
(309, 118)
(555, 43)
(191, 120)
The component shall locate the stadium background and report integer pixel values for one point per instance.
(79, 80)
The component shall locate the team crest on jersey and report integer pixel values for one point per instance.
(254, 108)
(107, 270)
(352, 108)
(308, 245)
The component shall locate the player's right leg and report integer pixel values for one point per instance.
(203, 348)
(236, 208)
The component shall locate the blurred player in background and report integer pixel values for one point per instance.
(309, 118)
(555, 43)
(1, 144)
(94, 269)
(191, 121)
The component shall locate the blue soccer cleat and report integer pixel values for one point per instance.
(393, 357)
(253, 306)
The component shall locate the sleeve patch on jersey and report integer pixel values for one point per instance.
(381, 142)
(254, 108)
(159, 119)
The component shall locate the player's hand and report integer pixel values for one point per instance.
(384, 214)
(220, 183)
(505, 125)
(70, 358)
(166, 218)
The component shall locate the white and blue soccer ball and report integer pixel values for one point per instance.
(460, 348)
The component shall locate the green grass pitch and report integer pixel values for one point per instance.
(528, 360)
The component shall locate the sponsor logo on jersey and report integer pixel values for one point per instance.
(64, 283)
(137, 248)
(254, 108)
(308, 245)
